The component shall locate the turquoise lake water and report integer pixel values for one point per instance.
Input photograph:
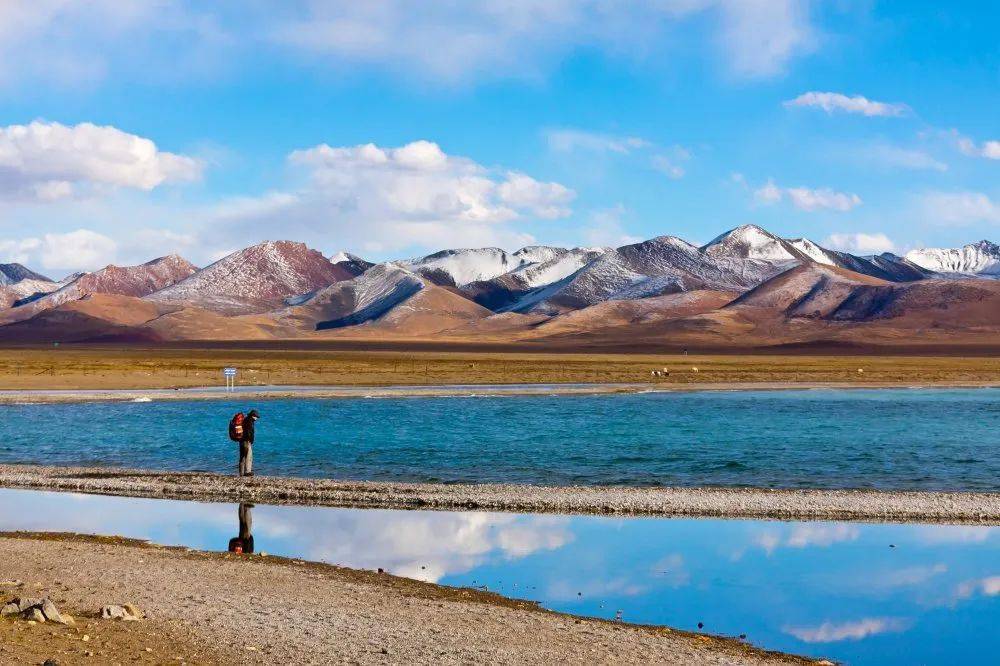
(856, 593)
(884, 438)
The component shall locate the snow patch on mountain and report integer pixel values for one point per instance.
(461, 267)
(813, 251)
(255, 279)
(982, 258)
(13, 273)
(751, 242)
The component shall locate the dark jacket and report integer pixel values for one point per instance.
(248, 430)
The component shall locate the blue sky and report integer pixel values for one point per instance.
(396, 127)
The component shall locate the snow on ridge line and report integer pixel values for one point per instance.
(982, 258)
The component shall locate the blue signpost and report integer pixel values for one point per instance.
(230, 375)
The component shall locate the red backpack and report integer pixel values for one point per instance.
(236, 427)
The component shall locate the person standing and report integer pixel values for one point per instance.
(246, 443)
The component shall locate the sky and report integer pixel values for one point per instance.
(394, 128)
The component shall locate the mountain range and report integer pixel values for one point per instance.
(745, 288)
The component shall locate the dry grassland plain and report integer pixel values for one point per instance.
(106, 367)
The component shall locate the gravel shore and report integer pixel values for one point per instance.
(237, 609)
(47, 396)
(860, 505)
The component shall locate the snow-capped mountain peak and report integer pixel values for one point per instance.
(812, 250)
(256, 279)
(14, 273)
(751, 242)
(981, 258)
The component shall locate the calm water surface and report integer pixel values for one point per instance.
(836, 590)
(884, 438)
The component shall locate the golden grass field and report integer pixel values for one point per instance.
(69, 367)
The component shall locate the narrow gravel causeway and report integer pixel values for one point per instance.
(861, 505)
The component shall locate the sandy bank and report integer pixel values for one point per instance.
(861, 505)
(47, 396)
(267, 610)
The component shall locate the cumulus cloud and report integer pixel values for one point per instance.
(987, 149)
(860, 243)
(856, 630)
(806, 199)
(82, 249)
(45, 161)
(959, 208)
(381, 199)
(832, 102)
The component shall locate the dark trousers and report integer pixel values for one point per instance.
(246, 458)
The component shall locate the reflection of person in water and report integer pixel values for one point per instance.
(244, 542)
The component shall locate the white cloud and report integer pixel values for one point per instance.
(546, 200)
(987, 587)
(666, 160)
(77, 250)
(82, 249)
(860, 243)
(385, 199)
(47, 161)
(806, 535)
(910, 576)
(760, 37)
(767, 194)
(83, 44)
(80, 44)
(806, 199)
(904, 158)
(822, 535)
(569, 140)
(988, 149)
(831, 102)
(88, 250)
(831, 632)
(458, 41)
(959, 208)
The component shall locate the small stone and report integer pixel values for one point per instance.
(51, 612)
(701, 625)
(9, 609)
(35, 614)
(68, 620)
(385, 651)
(50, 662)
(25, 603)
(86, 637)
(112, 612)
(149, 649)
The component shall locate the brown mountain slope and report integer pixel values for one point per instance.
(256, 279)
(134, 281)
